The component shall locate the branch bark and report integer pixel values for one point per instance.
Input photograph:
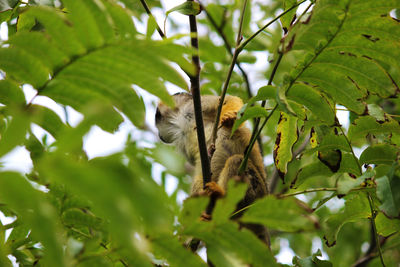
(195, 90)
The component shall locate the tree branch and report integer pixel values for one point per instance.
(371, 254)
(195, 89)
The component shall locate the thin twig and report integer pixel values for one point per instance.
(228, 77)
(351, 149)
(267, 25)
(243, 165)
(256, 132)
(373, 215)
(229, 49)
(146, 7)
(327, 189)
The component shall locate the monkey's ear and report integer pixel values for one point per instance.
(181, 98)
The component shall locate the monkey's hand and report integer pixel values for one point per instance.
(228, 118)
(213, 189)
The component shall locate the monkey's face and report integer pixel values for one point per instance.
(174, 123)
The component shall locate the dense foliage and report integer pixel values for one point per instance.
(331, 184)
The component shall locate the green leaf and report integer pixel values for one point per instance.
(35, 148)
(346, 183)
(95, 28)
(59, 29)
(99, 261)
(386, 191)
(139, 203)
(109, 72)
(187, 8)
(246, 113)
(18, 235)
(25, 22)
(386, 226)
(11, 93)
(356, 208)
(288, 18)
(77, 218)
(286, 137)
(227, 205)
(229, 246)
(368, 125)
(169, 248)
(38, 46)
(122, 21)
(264, 93)
(331, 142)
(23, 67)
(47, 119)
(331, 158)
(349, 164)
(377, 112)
(151, 26)
(353, 54)
(170, 158)
(311, 261)
(247, 58)
(315, 169)
(280, 214)
(6, 15)
(379, 154)
(313, 100)
(15, 132)
(30, 205)
(191, 212)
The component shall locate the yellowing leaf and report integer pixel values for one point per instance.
(285, 139)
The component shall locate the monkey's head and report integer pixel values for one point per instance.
(175, 125)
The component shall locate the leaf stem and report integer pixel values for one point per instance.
(243, 165)
(373, 215)
(351, 149)
(146, 7)
(228, 77)
(327, 189)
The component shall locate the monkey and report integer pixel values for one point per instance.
(177, 126)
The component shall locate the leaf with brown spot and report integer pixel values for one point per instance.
(285, 139)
